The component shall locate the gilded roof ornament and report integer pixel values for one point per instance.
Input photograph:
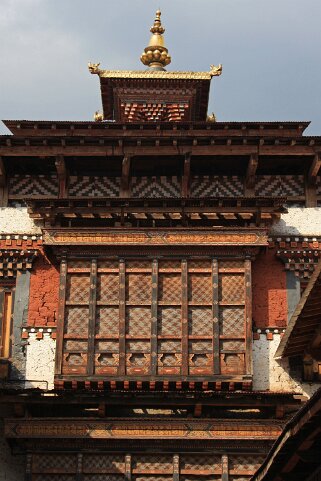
(216, 71)
(155, 55)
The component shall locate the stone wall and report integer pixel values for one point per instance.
(40, 361)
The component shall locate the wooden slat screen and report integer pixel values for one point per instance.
(155, 317)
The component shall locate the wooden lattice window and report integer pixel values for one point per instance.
(150, 317)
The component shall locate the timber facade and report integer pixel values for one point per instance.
(151, 262)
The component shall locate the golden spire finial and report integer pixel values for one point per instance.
(155, 55)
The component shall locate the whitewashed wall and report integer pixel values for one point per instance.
(40, 361)
(304, 221)
(273, 374)
(16, 220)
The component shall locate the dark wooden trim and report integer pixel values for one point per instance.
(1, 320)
(216, 324)
(248, 315)
(3, 185)
(92, 317)
(61, 315)
(122, 318)
(154, 309)
(314, 169)
(184, 310)
(310, 193)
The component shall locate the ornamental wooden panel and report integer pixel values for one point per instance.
(136, 318)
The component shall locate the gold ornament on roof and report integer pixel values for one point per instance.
(216, 71)
(156, 55)
(98, 116)
(93, 67)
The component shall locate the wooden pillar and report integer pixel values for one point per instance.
(311, 181)
(79, 475)
(125, 176)
(3, 185)
(122, 318)
(186, 175)
(184, 318)
(62, 176)
(176, 467)
(128, 467)
(225, 474)
(249, 183)
(248, 315)
(28, 475)
(61, 315)
(154, 309)
(92, 317)
(216, 323)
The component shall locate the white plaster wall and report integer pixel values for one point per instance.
(12, 468)
(273, 374)
(40, 362)
(16, 220)
(304, 221)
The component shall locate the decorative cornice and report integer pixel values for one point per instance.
(14, 261)
(154, 74)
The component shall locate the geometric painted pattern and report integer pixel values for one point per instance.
(200, 462)
(200, 288)
(28, 185)
(94, 186)
(103, 463)
(108, 288)
(169, 321)
(231, 288)
(63, 463)
(138, 321)
(200, 321)
(78, 288)
(107, 321)
(170, 288)
(139, 289)
(152, 462)
(216, 186)
(155, 187)
(279, 185)
(231, 321)
(200, 346)
(76, 320)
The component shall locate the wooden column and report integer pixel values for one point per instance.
(122, 318)
(79, 475)
(225, 475)
(186, 175)
(28, 475)
(248, 315)
(311, 181)
(176, 467)
(128, 467)
(153, 341)
(61, 315)
(62, 175)
(249, 183)
(125, 176)
(3, 185)
(184, 318)
(216, 324)
(92, 317)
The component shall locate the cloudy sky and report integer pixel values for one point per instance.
(270, 51)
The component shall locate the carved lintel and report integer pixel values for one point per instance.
(13, 262)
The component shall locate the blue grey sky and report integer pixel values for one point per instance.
(270, 51)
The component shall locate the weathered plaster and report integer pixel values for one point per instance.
(299, 221)
(16, 220)
(40, 361)
(273, 374)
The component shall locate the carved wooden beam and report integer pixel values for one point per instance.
(250, 174)
(62, 175)
(186, 175)
(125, 176)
